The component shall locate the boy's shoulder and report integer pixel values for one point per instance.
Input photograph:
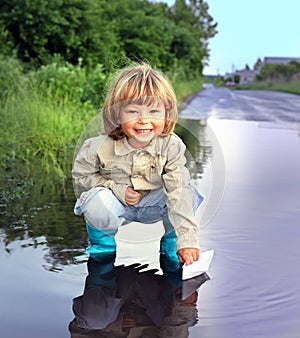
(173, 139)
(96, 140)
(93, 144)
(171, 144)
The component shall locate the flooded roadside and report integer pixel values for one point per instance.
(253, 290)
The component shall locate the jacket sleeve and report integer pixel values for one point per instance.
(179, 195)
(86, 173)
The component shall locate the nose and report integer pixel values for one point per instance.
(143, 116)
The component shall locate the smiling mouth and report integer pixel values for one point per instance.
(143, 131)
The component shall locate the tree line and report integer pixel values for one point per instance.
(108, 32)
(270, 72)
(279, 72)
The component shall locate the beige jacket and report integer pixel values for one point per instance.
(116, 165)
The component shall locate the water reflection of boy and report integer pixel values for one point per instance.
(125, 302)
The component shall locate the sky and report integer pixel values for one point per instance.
(248, 30)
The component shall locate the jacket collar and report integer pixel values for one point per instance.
(122, 147)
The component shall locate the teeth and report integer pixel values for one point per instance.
(143, 130)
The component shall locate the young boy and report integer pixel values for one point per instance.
(136, 170)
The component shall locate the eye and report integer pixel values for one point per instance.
(154, 111)
(132, 111)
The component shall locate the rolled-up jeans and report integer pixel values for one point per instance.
(103, 210)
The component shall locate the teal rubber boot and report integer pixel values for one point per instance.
(100, 242)
(168, 252)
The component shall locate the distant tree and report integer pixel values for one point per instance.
(279, 71)
(236, 78)
(247, 67)
(219, 80)
(6, 41)
(145, 30)
(290, 69)
(258, 64)
(194, 29)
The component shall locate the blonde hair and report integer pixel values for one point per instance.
(139, 84)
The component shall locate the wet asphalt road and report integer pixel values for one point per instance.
(251, 105)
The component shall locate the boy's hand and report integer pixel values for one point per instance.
(132, 197)
(188, 255)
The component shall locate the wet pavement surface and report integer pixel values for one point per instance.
(250, 105)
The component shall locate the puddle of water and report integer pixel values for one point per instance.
(255, 286)
(252, 288)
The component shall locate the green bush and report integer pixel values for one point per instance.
(11, 76)
(77, 84)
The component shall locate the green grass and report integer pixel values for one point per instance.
(184, 89)
(292, 87)
(39, 130)
(184, 85)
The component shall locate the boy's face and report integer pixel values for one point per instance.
(142, 123)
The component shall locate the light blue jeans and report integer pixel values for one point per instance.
(102, 209)
(104, 214)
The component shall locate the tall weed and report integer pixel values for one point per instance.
(184, 84)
